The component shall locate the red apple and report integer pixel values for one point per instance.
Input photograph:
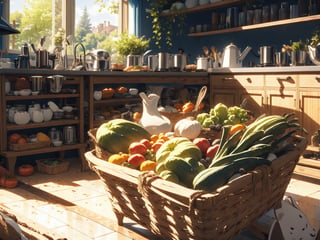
(202, 143)
(211, 151)
(137, 147)
(135, 160)
(146, 142)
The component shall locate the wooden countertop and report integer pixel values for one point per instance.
(243, 70)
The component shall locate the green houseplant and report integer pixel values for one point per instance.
(163, 27)
(131, 45)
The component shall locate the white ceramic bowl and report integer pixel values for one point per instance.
(57, 143)
(35, 93)
(25, 92)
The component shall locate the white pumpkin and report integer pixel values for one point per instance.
(188, 128)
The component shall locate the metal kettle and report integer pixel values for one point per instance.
(42, 55)
(233, 57)
(100, 59)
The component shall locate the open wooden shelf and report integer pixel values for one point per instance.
(204, 7)
(257, 26)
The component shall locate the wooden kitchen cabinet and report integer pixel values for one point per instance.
(137, 80)
(309, 102)
(238, 90)
(74, 97)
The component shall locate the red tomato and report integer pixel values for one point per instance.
(211, 151)
(136, 159)
(155, 147)
(146, 142)
(25, 170)
(137, 147)
(202, 143)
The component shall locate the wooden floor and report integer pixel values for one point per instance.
(74, 205)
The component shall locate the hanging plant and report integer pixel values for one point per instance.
(163, 27)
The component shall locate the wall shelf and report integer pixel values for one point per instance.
(257, 26)
(205, 7)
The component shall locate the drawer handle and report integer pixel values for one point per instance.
(318, 79)
(229, 79)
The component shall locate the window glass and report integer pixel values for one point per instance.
(94, 23)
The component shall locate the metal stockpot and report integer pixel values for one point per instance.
(134, 60)
(153, 62)
(37, 83)
(281, 59)
(266, 56)
(179, 61)
(69, 135)
(55, 83)
(164, 61)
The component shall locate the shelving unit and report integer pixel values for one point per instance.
(142, 79)
(6, 128)
(205, 7)
(228, 3)
(257, 26)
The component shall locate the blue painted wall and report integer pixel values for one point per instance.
(273, 36)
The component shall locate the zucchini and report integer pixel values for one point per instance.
(215, 177)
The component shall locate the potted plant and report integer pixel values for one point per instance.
(163, 28)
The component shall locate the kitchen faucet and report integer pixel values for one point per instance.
(79, 65)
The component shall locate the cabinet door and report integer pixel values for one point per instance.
(225, 96)
(280, 102)
(253, 101)
(309, 106)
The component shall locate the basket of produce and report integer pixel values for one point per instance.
(19, 142)
(52, 166)
(185, 198)
(186, 110)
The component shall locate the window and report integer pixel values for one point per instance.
(78, 20)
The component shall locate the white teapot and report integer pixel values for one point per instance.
(22, 117)
(47, 114)
(37, 116)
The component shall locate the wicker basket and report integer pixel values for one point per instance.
(174, 117)
(99, 151)
(29, 146)
(172, 211)
(52, 169)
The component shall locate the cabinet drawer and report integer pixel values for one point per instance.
(309, 80)
(240, 81)
(281, 80)
(250, 80)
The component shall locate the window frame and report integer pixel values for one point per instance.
(68, 23)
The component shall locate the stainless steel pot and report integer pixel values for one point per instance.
(55, 83)
(153, 62)
(69, 135)
(37, 83)
(202, 63)
(164, 61)
(179, 61)
(281, 59)
(266, 56)
(298, 58)
(134, 60)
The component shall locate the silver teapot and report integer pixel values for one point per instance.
(232, 57)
